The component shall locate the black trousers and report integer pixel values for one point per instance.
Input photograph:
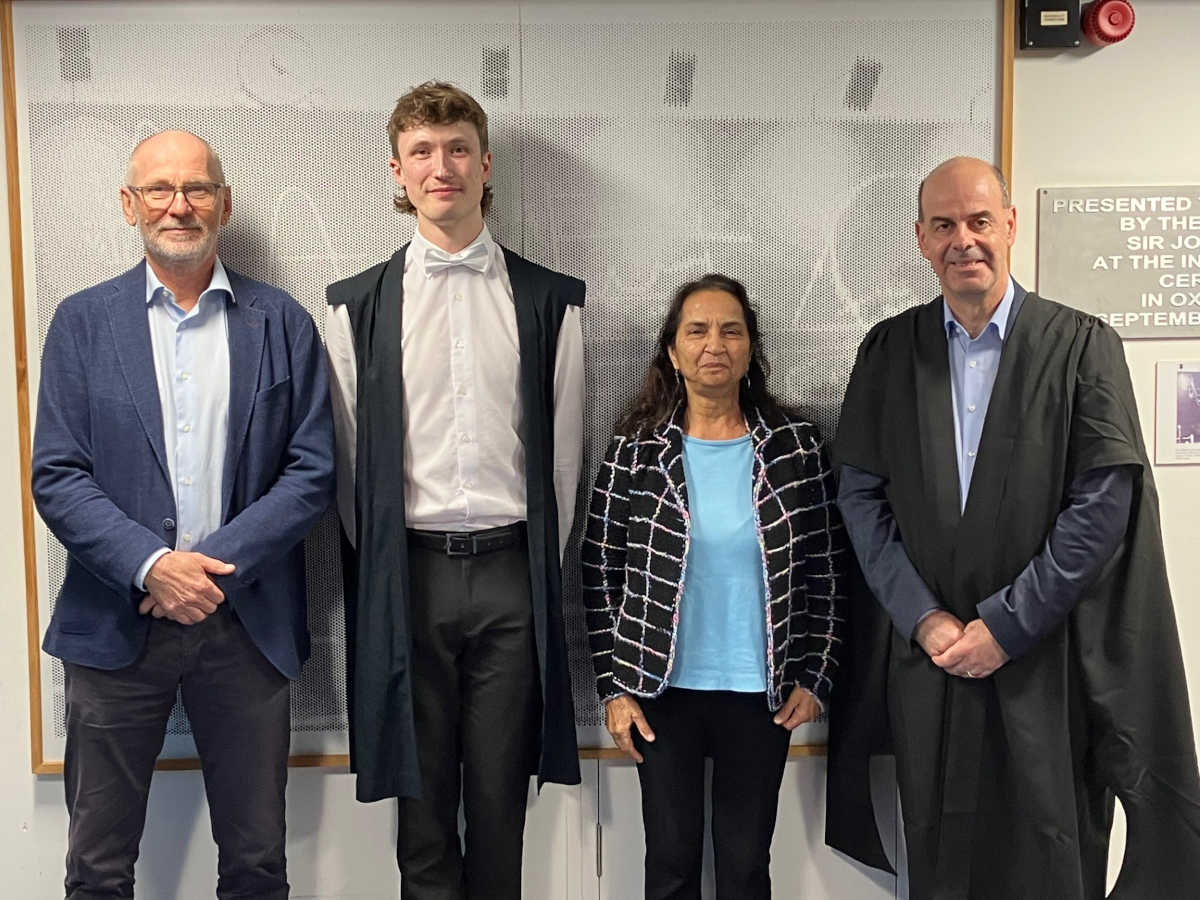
(748, 751)
(477, 706)
(238, 705)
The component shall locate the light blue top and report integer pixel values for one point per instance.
(721, 643)
(191, 365)
(973, 365)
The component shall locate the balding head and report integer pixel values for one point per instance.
(172, 145)
(964, 165)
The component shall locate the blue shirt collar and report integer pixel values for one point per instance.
(999, 319)
(218, 282)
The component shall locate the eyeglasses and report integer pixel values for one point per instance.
(198, 194)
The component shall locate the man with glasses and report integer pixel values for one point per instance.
(183, 449)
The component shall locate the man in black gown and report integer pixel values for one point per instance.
(1019, 656)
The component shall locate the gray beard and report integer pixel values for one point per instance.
(179, 253)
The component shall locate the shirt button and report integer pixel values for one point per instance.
(465, 438)
(458, 345)
(971, 408)
(187, 428)
(186, 375)
(971, 453)
(972, 364)
(187, 536)
(458, 296)
(186, 481)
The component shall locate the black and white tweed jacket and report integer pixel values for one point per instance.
(636, 544)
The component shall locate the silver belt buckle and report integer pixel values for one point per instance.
(459, 544)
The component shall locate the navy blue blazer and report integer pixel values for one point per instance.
(101, 482)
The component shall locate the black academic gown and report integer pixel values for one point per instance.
(1007, 782)
(383, 739)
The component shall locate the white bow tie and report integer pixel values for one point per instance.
(474, 257)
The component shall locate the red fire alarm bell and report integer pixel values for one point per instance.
(1107, 21)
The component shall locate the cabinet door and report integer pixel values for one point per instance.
(619, 840)
(551, 868)
(801, 865)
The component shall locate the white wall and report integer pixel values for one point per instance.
(1122, 115)
(30, 819)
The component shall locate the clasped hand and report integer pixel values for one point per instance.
(968, 651)
(179, 587)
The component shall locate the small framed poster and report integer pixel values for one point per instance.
(1177, 412)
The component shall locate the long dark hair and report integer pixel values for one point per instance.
(663, 390)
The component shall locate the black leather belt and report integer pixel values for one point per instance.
(469, 543)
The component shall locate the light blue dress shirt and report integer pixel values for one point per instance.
(191, 365)
(1085, 535)
(721, 640)
(973, 365)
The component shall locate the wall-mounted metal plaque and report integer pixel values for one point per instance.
(1130, 255)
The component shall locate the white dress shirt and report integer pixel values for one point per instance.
(191, 365)
(464, 462)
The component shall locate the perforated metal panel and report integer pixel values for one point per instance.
(635, 156)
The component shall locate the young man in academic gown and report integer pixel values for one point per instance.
(1019, 655)
(458, 394)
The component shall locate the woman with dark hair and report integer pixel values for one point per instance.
(713, 565)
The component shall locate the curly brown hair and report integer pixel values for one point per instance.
(437, 103)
